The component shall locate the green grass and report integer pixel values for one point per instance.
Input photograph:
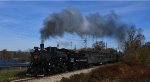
(11, 73)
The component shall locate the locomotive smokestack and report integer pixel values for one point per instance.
(42, 46)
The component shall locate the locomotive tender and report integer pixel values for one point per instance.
(52, 60)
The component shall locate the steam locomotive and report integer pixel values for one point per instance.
(52, 60)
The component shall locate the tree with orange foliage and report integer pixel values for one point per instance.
(145, 53)
(5, 54)
(133, 44)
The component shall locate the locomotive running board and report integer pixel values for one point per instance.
(28, 74)
(41, 75)
(37, 75)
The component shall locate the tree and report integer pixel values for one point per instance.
(99, 45)
(5, 54)
(134, 39)
(133, 44)
(147, 44)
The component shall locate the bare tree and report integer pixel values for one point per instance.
(133, 44)
(99, 45)
(134, 39)
(147, 44)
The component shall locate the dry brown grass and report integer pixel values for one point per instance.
(120, 72)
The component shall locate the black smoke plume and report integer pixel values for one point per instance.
(71, 20)
(64, 43)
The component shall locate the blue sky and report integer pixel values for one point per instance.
(20, 21)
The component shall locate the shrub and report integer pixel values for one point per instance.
(120, 72)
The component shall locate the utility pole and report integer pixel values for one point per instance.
(57, 45)
(71, 44)
(93, 41)
(75, 47)
(106, 45)
(85, 42)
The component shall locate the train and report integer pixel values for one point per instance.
(52, 60)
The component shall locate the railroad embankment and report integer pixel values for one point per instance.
(120, 72)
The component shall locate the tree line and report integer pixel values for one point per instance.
(21, 55)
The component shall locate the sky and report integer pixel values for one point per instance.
(20, 21)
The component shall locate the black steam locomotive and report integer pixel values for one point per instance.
(52, 60)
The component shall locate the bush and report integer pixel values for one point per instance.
(119, 72)
(139, 56)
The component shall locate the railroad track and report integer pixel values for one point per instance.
(57, 77)
(52, 77)
(23, 79)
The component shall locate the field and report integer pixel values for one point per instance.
(11, 73)
(119, 72)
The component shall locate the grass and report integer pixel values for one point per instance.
(119, 72)
(11, 73)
